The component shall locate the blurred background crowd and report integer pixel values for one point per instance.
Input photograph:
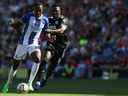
(97, 29)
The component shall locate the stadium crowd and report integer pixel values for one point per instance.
(98, 31)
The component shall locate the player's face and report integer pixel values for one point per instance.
(56, 12)
(38, 10)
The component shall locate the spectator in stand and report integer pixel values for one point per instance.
(103, 23)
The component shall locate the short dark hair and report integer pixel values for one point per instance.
(55, 5)
(38, 4)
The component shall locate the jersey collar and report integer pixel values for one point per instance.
(40, 16)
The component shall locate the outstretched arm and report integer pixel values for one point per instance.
(15, 23)
(59, 30)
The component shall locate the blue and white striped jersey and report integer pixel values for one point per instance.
(32, 28)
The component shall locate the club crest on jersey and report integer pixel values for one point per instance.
(38, 25)
(57, 22)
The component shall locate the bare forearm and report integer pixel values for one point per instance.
(15, 23)
(55, 30)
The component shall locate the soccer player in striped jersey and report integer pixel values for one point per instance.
(34, 23)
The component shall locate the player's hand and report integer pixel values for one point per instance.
(49, 30)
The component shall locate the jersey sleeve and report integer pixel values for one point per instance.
(46, 23)
(64, 23)
(45, 19)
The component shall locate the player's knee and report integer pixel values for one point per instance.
(36, 57)
(53, 60)
(15, 64)
(37, 60)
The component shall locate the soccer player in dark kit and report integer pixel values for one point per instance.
(58, 41)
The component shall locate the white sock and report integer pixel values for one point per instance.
(12, 73)
(33, 73)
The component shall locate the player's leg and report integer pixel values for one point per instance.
(11, 75)
(41, 71)
(28, 65)
(42, 68)
(52, 65)
(45, 56)
(41, 75)
(36, 58)
(13, 70)
(44, 76)
(58, 52)
(19, 55)
(50, 70)
(53, 60)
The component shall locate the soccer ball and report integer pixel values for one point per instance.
(22, 88)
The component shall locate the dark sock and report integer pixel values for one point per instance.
(41, 71)
(15, 66)
(44, 79)
(52, 65)
(50, 70)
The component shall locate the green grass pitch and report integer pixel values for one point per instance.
(56, 95)
(67, 87)
(49, 95)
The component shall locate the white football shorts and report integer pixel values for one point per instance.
(22, 51)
